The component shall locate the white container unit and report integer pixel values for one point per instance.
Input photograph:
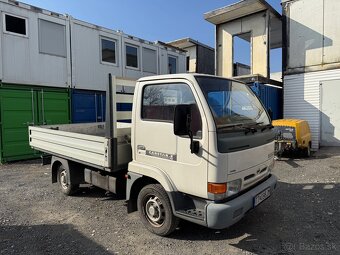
(34, 46)
(139, 57)
(95, 53)
(172, 60)
(39, 47)
(310, 96)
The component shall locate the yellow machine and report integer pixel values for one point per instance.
(292, 135)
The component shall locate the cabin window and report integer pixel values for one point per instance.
(131, 56)
(172, 64)
(52, 38)
(15, 25)
(108, 51)
(160, 100)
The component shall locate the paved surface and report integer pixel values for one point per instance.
(302, 217)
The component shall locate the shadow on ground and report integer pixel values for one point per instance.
(298, 218)
(46, 239)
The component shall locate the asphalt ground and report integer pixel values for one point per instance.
(301, 217)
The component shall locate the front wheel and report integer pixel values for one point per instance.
(155, 210)
(66, 186)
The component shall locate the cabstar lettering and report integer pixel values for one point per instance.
(161, 155)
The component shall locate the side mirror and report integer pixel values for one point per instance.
(182, 119)
(182, 125)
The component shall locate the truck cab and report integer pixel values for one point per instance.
(201, 145)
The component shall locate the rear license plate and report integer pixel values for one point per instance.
(261, 197)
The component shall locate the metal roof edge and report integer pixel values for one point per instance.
(190, 40)
(238, 5)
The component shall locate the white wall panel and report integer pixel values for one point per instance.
(192, 54)
(88, 71)
(331, 32)
(313, 34)
(306, 33)
(21, 59)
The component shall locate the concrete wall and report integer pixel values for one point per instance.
(192, 53)
(256, 24)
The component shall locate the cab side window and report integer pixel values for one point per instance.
(160, 100)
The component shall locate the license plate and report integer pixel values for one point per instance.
(261, 197)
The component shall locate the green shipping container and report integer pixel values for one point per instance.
(21, 107)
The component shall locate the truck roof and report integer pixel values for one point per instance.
(188, 76)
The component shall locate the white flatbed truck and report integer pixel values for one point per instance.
(199, 148)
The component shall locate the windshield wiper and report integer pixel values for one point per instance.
(226, 126)
(238, 125)
(250, 129)
(269, 126)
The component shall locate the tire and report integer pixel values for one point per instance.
(66, 187)
(155, 210)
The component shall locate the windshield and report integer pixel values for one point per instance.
(232, 103)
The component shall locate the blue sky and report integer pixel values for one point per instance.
(151, 20)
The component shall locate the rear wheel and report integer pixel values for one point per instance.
(155, 210)
(66, 186)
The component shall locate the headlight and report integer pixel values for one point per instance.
(234, 187)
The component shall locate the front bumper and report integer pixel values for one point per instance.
(223, 215)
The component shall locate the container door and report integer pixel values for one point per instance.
(330, 117)
(53, 107)
(18, 111)
(83, 106)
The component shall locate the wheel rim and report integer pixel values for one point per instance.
(155, 212)
(63, 179)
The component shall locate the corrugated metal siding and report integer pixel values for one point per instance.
(271, 98)
(205, 60)
(302, 98)
(21, 106)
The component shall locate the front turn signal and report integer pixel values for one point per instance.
(217, 188)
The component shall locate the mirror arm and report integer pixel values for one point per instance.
(194, 145)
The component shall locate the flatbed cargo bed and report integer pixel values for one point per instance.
(85, 143)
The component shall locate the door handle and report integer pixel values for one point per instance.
(28, 123)
(141, 149)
